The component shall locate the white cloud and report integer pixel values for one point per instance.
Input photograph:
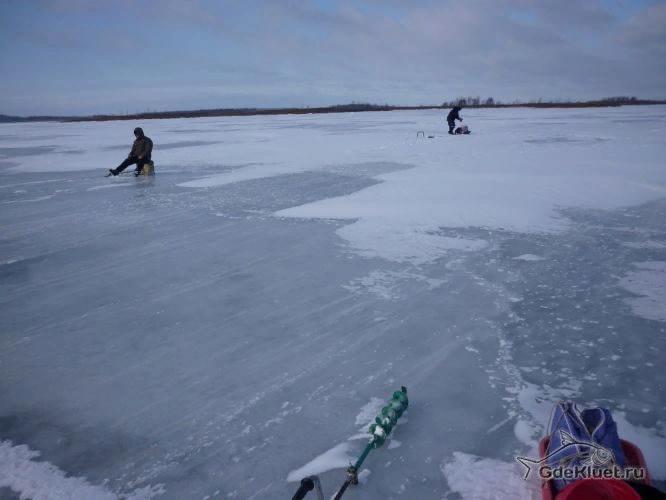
(299, 53)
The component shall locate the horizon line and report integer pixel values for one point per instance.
(476, 102)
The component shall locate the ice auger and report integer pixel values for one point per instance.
(379, 430)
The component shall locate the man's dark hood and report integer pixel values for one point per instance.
(138, 132)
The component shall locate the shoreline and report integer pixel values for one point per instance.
(346, 108)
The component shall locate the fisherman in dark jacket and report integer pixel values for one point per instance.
(139, 155)
(452, 117)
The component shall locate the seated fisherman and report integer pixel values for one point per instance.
(139, 155)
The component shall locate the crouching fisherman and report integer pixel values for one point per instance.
(139, 155)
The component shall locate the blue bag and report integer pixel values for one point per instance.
(582, 438)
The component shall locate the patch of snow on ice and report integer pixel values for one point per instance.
(44, 481)
(530, 404)
(336, 458)
(536, 403)
(364, 475)
(526, 432)
(369, 411)
(385, 284)
(649, 282)
(394, 444)
(500, 479)
(379, 283)
(397, 219)
(397, 243)
(530, 257)
(651, 443)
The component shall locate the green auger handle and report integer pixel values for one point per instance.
(388, 417)
(379, 431)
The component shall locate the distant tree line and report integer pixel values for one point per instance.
(469, 102)
(489, 102)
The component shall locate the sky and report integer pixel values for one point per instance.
(71, 57)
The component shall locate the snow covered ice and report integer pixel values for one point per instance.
(214, 330)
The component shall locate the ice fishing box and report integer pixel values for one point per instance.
(148, 168)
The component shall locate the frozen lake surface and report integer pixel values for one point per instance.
(237, 320)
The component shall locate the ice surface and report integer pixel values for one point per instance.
(364, 475)
(649, 283)
(337, 457)
(369, 412)
(211, 330)
(477, 478)
(20, 472)
(530, 257)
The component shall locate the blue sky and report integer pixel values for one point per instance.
(82, 57)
